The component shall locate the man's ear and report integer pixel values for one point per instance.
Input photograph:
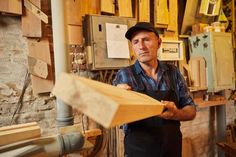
(159, 42)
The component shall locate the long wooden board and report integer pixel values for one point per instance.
(14, 133)
(106, 104)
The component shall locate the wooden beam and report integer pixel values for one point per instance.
(106, 104)
(14, 133)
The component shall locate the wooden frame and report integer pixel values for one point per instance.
(171, 50)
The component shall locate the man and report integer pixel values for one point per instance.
(158, 136)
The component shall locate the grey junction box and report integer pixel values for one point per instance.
(94, 31)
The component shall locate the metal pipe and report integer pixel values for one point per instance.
(64, 111)
(54, 146)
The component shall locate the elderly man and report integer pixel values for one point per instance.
(157, 136)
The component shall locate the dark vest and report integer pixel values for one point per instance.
(154, 136)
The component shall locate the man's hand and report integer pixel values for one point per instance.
(124, 86)
(170, 110)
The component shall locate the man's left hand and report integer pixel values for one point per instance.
(170, 110)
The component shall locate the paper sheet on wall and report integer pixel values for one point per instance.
(117, 44)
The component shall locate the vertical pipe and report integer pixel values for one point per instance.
(64, 111)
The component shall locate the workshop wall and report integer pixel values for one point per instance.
(13, 81)
(14, 78)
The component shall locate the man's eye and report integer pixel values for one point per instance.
(135, 42)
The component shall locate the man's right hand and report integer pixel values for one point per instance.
(124, 86)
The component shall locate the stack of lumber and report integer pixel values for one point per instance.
(106, 104)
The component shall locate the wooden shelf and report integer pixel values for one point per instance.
(202, 103)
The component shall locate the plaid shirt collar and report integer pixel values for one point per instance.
(161, 67)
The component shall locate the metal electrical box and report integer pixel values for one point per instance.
(217, 50)
(94, 32)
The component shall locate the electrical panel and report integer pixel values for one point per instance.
(217, 50)
(94, 32)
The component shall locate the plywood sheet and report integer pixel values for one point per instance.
(106, 104)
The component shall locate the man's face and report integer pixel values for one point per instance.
(145, 45)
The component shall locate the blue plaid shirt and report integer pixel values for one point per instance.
(125, 75)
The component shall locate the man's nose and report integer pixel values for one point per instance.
(141, 45)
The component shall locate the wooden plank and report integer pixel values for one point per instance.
(36, 11)
(202, 68)
(161, 13)
(31, 25)
(125, 8)
(195, 71)
(75, 10)
(93, 7)
(92, 132)
(11, 6)
(108, 6)
(202, 104)
(17, 133)
(173, 16)
(18, 126)
(189, 16)
(37, 67)
(72, 11)
(70, 128)
(187, 147)
(105, 104)
(144, 10)
(40, 50)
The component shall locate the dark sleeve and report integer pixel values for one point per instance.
(183, 91)
(122, 76)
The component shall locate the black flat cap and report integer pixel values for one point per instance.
(140, 26)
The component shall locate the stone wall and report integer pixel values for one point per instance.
(14, 78)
